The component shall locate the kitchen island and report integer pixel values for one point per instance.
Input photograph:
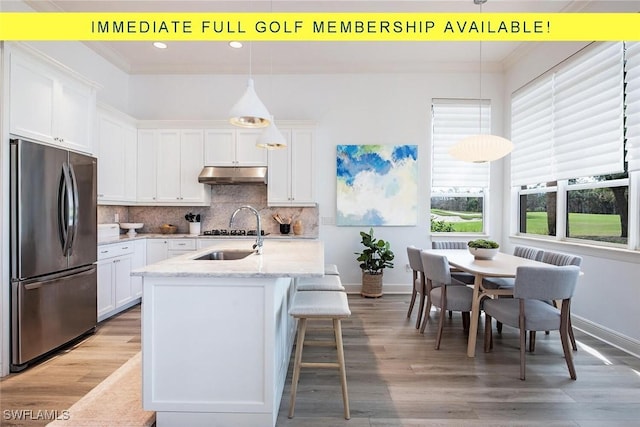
(216, 334)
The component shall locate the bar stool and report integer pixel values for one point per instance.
(324, 283)
(320, 305)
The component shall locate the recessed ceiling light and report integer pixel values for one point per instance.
(235, 45)
(160, 45)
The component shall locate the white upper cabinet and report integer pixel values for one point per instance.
(169, 162)
(291, 171)
(191, 164)
(247, 154)
(117, 153)
(146, 174)
(49, 105)
(233, 147)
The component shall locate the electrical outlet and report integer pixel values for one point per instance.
(407, 267)
(116, 218)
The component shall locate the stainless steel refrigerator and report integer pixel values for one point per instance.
(53, 249)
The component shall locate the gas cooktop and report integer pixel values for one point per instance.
(234, 232)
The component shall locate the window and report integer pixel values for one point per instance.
(597, 209)
(460, 212)
(570, 128)
(538, 209)
(458, 189)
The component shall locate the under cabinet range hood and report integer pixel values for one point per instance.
(233, 175)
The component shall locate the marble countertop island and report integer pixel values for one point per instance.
(279, 258)
(217, 336)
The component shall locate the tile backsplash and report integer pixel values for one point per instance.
(224, 200)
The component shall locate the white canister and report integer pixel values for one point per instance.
(194, 228)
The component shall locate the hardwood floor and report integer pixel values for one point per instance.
(395, 376)
(57, 383)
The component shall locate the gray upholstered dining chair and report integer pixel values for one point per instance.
(508, 282)
(559, 259)
(444, 292)
(415, 263)
(460, 276)
(529, 311)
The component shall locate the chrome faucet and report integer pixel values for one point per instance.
(259, 239)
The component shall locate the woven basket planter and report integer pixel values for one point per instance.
(371, 285)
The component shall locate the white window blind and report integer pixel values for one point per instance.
(588, 110)
(632, 100)
(532, 134)
(569, 123)
(453, 120)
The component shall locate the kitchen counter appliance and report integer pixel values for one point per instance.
(53, 249)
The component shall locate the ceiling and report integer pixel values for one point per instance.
(315, 57)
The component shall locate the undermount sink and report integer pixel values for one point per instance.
(225, 255)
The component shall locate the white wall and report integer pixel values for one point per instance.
(348, 109)
(607, 296)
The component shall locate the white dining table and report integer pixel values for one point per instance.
(502, 265)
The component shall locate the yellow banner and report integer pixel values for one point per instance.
(320, 26)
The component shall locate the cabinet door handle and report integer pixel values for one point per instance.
(125, 247)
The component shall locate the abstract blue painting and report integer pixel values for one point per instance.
(377, 185)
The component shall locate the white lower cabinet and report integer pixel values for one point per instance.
(161, 249)
(117, 290)
(157, 250)
(106, 297)
(139, 260)
(180, 247)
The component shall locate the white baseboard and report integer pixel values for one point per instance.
(599, 332)
(609, 336)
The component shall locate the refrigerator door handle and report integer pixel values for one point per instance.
(75, 204)
(65, 206)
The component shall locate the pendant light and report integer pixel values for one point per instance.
(482, 147)
(271, 138)
(249, 111)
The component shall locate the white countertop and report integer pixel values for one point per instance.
(280, 258)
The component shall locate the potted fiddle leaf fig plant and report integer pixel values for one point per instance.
(374, 258)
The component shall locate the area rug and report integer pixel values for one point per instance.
(115, 402)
